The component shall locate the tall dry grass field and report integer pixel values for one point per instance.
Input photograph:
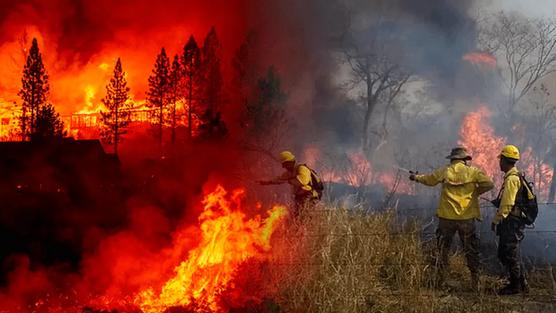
(338, 260)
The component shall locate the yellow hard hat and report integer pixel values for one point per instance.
(510, 152)
(286, 156)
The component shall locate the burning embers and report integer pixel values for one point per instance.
(228, 240)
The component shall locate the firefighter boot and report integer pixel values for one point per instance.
(514, 287)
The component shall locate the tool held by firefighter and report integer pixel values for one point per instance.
(402, 169)
(307, 187)
(458, 209)
(517, 207)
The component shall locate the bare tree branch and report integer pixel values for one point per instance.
(527, 48)
(376, 67)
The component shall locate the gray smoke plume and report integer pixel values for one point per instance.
(308, 45)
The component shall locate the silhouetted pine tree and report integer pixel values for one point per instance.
(118, 116)
(48, 124)
(191, 63)
(174, 94)
(212, 126)
(268, 111)
(246, 75)
(157, 95)
(212, 75)
(34, 90)
(245, 64)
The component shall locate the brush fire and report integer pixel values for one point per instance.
(202, 278)
(228, 241)
(247, 156)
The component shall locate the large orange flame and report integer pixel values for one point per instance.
(229, 239)
(80, 67)
(478, 136)
(480, 140)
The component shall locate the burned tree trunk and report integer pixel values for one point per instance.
(377, 67)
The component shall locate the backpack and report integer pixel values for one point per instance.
(316, 182)
(528, 206)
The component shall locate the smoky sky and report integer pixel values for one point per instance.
(433, 34)
(308, 39)
(81, 27)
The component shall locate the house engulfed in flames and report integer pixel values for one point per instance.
(86, 123)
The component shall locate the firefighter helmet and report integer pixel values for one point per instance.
(286, 156)
(510, 152)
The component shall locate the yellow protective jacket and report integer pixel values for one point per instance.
(461, 187)
(508, 194)
(300, 180)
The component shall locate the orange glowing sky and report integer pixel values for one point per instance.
(81, 40)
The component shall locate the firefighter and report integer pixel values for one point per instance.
(458, 209)
(507, 223)
(299, 177)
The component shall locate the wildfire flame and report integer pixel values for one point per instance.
(480, 140)
(356, 171)
(481, 58)
(229, 239)
(478, 136)
(90, 106)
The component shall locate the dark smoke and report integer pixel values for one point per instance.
(79, 29)
(306, 41)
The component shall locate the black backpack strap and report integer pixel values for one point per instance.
(499, 197)
(527, 184)
(524, 182)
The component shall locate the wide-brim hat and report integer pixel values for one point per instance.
(459, 153)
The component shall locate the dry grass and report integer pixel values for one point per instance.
(352, 261)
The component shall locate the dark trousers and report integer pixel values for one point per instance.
(303, 205)
(510, 232)
(466, 232)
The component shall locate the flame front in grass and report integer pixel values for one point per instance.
(356, 170)
(229, 239)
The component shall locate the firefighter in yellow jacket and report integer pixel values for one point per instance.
(507, 222)
(458, 208)
(299, 177)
